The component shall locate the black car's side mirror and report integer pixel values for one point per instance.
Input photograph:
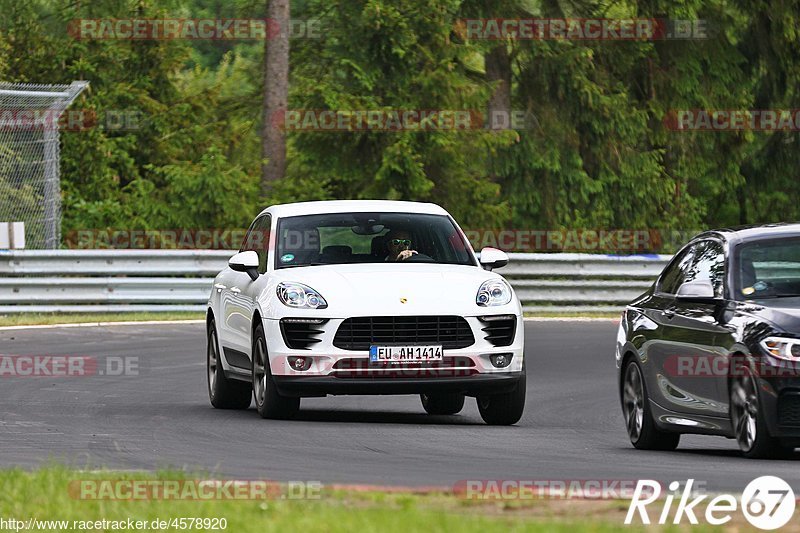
(701, 291)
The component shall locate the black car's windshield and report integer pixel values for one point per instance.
(346, 238)
(768, 268)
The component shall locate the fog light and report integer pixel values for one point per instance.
(501, 360)
(300, 364)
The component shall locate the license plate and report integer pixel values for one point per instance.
(404, 354)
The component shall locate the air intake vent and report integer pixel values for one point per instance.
(452, 332)
(499, 329)
(789, 410)
(301, 333)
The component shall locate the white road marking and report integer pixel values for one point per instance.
(104, 324)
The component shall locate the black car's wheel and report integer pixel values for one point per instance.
(747, 418)
(639, 422)
(269, 402)
(224, 393)
(504, 409)
(442, 404)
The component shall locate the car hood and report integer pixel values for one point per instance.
(782, 312)
(392, 289)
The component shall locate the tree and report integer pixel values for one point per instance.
(276, 94)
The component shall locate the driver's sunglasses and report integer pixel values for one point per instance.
(398, 242)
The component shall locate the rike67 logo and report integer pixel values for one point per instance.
(767, 502)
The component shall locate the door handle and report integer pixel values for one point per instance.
(669, 312)
(236, 290)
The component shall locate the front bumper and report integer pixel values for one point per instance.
(780, 399)
(477, 384)
(336, 371)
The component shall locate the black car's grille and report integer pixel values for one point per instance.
(359, 333)
(500, 329)
(789, 410)
(301, 333)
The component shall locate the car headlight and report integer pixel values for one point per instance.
(782, 348)
(493, 292)
(300, 296)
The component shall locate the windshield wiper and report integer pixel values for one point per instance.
(310, 264)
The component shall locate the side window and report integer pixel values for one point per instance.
(257, 240)
(709, 264)
(674, 275)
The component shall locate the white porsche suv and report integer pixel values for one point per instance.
(364, 297)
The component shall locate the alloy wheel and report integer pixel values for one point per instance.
(744, 409)
(213, 359)
(259, 372)
(633, 401)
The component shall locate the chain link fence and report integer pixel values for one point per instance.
(30, 188)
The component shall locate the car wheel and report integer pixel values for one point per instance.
(504, 409)
(639, 421)
(224, 393)
(442, 404)
(747, 418)
(269, 402)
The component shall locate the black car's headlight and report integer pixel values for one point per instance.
(493, 292)
(784, 348)
(300, 296)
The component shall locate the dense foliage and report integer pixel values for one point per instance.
(595, 154)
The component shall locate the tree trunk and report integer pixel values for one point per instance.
(498, 69)
(276, 92)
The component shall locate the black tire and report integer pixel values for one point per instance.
(642, 429)
(269, 403)
(442, 404)
(747, 416)
(224, 393)
(504, 409)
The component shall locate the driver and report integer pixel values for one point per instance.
(398, 242)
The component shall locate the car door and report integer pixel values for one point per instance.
(237, 300)
(686, 354)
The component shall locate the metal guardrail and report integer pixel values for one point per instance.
(180, 280)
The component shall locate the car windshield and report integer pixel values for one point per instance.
(769, 268)
(347, 238)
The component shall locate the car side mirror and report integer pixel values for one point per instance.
(245, 262)
(493, 258)
(701, 291)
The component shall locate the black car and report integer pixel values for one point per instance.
(713, 347)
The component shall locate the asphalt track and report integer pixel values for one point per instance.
(572, 428)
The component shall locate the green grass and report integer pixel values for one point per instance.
(45, 494)
(30, 319)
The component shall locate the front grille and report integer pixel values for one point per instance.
(789, 410)
(301, 333)
(451, 332)
(499, 329)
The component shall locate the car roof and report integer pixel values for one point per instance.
(353, 206)
(753, 232)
